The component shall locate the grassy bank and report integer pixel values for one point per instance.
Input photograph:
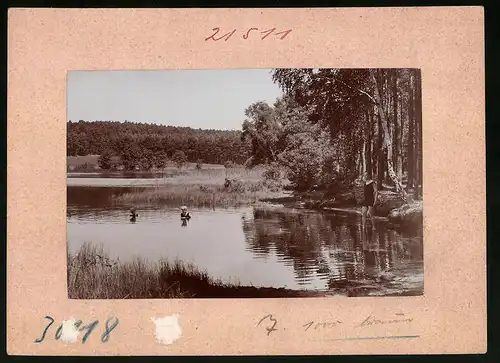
(206, 188)
(93, 275)
(196, 196)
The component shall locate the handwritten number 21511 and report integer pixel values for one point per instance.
(89, 328)
(215, 37)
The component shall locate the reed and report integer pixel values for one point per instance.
(205, 188)
(93, 275)
(214, 176)
(195, 196)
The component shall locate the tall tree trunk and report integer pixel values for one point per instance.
(397, 127)
(400, 136)
(387, 141)
(411, 124)
(359, 167)
(418, 125)
(385, 97)
(363, 159)
(393, 118)
(380, 156)
(415, 138)
(369, 167)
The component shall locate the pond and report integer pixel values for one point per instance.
(272, 246)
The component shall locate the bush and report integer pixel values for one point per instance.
(160, 160)
(272, 177)
(199, 164)
(104, 160)
(131, 156)
(248, 164)
(179, 158)
(147, 160)
(86, 167)
(234, 186)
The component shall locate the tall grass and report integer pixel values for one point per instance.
(194, 196)
(93, 275)
(205, 188)
(214, 176)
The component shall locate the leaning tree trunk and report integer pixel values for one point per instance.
(387, 140)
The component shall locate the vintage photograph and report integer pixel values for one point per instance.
(244, 183)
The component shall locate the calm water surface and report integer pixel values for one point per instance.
(271, 246)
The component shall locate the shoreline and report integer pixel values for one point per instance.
(390, 208)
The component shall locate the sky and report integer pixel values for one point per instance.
(207, 99)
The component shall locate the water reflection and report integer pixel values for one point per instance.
(340, 250)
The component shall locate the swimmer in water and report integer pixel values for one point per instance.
(185, 216)
(133, 215)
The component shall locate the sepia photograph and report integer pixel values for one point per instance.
(244, 183)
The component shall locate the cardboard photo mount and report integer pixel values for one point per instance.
(446, 43)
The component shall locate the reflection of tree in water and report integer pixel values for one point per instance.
(296, 238)
(332, 248)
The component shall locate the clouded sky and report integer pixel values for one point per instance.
(196, 98)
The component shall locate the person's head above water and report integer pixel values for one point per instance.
(184, 208)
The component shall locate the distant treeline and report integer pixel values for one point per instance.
(138, 141)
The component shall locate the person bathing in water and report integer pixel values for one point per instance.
(370, 198)
(133, 215)
(185, 216)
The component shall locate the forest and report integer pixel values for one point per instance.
(144, 146)
(335, 126)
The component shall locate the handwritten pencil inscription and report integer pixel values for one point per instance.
(270, 328)
(315, 325)
(372, 320)
(269, 322)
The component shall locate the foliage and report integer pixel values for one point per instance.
(104, 160)
(147, 160)
(234, 186)
(160, 159)
(179, 158)
(272, 177)
(199, 164)
(336, 99)
(85, 167)
(308, 150)
(131, 156)
(345, 104)
(262, 128)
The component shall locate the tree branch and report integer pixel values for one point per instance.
(359, 90)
